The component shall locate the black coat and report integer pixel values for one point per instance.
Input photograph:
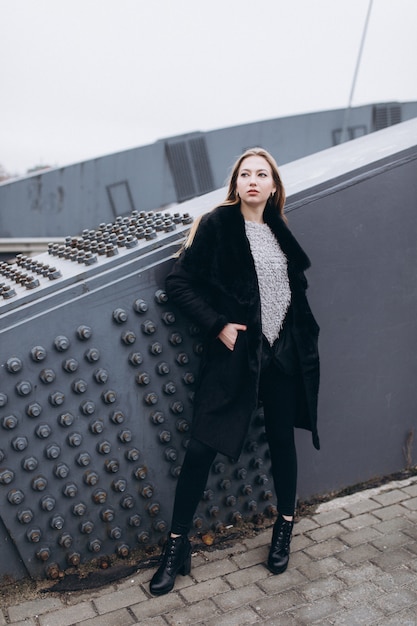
(214, 282)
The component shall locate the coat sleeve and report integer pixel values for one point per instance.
(188, 283)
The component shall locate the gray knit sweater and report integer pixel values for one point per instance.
(272, 272)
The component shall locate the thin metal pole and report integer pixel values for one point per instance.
(355, 76)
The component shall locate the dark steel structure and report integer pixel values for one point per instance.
(98, 366)
(68, 199)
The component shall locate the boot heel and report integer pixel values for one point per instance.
(186, 568)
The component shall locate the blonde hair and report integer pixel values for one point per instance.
(232, 198)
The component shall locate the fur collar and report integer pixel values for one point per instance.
(230, 267)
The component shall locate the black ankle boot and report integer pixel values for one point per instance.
(279, 553)
(176, 560)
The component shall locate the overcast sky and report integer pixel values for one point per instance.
(84, 78)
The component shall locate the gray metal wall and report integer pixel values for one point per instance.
(97, 367)
(62, 201)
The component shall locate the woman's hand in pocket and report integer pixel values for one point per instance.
(228, 335)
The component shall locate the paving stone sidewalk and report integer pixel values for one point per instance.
(354, 561)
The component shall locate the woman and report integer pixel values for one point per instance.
(240, 278)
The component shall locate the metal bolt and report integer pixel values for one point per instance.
(34, 535)
(92, 355)
(169, 388)
(140, 306)
(182, 426)
(177, 407)
(135, 358)
(65, 419)
(79, 386)
(112, 466)
(117, 417)
(9, 422)
(14, 364)
(91, 478)
(43, 431)
(74, 559)
(132, 454)
(225, 484)
(99, 496)
(15, 496)
(47, 503)
(168, 318)
(148, 327)
(182, 358)
(101, 376)
(175, 339)
(150, 398)
(56, 398)
(70, 365)
(47, 376)
(107, 515)
(120, 316)
(140, 473)
(79, 509)
(171, 455)
(3, 399)
(127, 502)
(24, 388)
(38, 353)
(52, 451)
(128, 337)
(94, 545)
(134, 521)
(57, 522)
(162, 368)
(61, 470)
(83, 459)
(84, 332)
(125, 436)
(97, 427)
(19, 443)
(88, 407)
(188, 378)
(104, 447)
(86, 527)
(157, 417)
(143, 537)
(153, 509)
(155, 348)
(6, 476)
(74, 440)
(39, 483)
(109, 396)
(25, 516)
(62, 343)
(70, 490)
(65, 540)
(119, 485)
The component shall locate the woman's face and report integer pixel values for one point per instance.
(254, 182)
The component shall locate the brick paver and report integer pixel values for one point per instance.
(353, 561)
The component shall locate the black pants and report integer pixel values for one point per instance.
(278, 393)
